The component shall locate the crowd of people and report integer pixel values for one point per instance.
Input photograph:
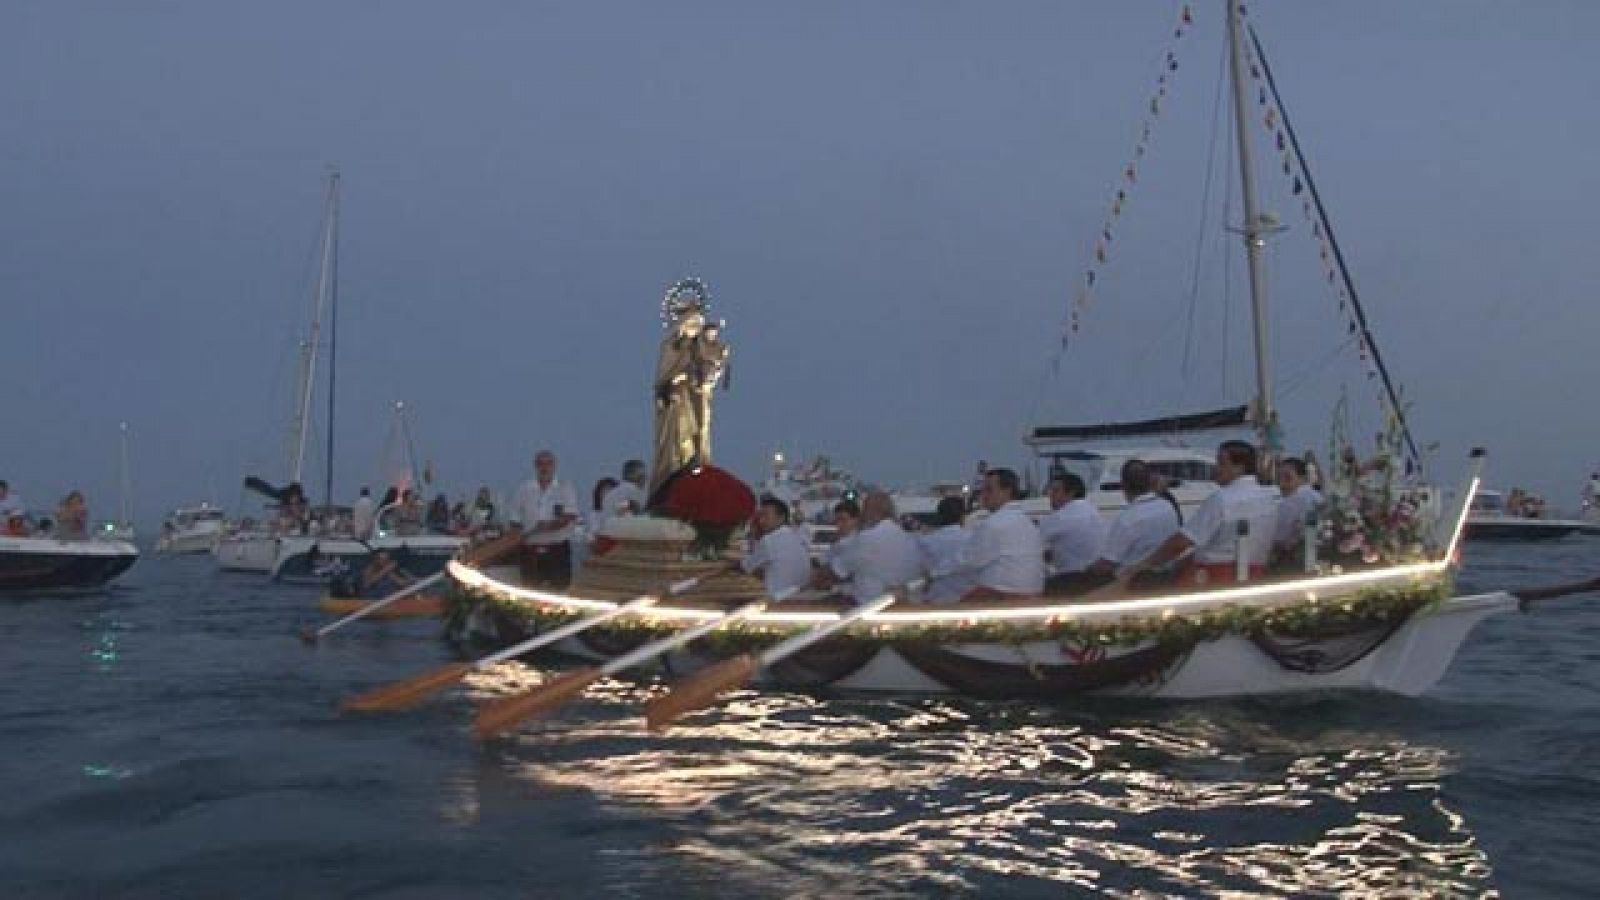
(70, 522)
(1002, 553)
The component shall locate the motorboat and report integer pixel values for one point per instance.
(191, 530)
(1491, 520)
(44, 563)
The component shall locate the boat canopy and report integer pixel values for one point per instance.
(1229, 417)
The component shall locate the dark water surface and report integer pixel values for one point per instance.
(173, 739)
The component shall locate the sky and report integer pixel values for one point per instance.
(894, 204)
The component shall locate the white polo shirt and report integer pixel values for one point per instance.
(782, 559)
(1213, 527)
(618, 501)
(1006, 553)
(941, 557)
(1141, 527)
(534, 504)
(1074, 536)
(877, 559)
(1293, 511)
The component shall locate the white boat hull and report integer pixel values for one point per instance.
(246, 553)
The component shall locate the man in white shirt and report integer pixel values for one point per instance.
(627, 498)
(1212, 532)
(882, 557)
(1005, 555)
(1300, 502)
(11, 505)
(361, 514)
(1142, 526)
(846, 528)
(1074, 534)
(544, 510)
(941, 552)
(779, 555)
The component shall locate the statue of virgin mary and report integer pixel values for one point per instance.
(693, 359)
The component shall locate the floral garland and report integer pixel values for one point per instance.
(1307, 620)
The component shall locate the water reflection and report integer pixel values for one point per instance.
(790, 793)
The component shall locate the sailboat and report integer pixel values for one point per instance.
(260, 548)
(1371, 617)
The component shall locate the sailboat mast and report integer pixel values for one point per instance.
(125, 486)
(308, 354)
(1253, 230)
(332, 276)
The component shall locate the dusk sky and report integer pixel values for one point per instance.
(894, 205)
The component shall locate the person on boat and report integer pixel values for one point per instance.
(1005, 556)
(408, 514)
(481, 515)
(439, 515)
(628, 497)
(846, 526)
(1299, 504)
(1074, 535)
(941, 547)
(72, 518)
(1144, 524)
(383, 575)
(595, 516)
(778, 550)
(880, 557)
(293, 511)
(1212, 534)
(545, 510)
(362, 513)
(13, 512)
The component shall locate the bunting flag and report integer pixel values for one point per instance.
(1130, 177)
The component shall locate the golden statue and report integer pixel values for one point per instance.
(693, 359)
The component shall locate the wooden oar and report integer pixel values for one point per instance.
(704, 687)
(501, 716)
(1529, 596)
(487, 550)
(412, 691)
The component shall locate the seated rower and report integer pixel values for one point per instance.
(1005, 556)
(846, 525)
(1212, 534)
(778, 553)
(1074, 534)
(1299, 504)
(880, 557)
(941, 552)
(384, 574)
(1142, 526)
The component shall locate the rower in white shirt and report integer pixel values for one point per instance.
(881, 557)
(1074, 534)
(941, 552)
(1212, 533)
(1299, 504)
(779, 555)
(627, 498)
(545, 509)
(846, 527)
(1005, 555)
(1142, 526)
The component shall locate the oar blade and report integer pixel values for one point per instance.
(504, 715)
(699, 690)
(408, 693)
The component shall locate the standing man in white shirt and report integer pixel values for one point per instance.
(1142, 526)
(1300, 502)
(1212, 532)
(11, 505)
(362, 513)
(1074, 535)
(941, 552)
(779, 554)
(881, 557)
(1005, 555)
(544, 510)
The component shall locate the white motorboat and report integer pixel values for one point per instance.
(191, 529)
(39, 564)
(1490, 520)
